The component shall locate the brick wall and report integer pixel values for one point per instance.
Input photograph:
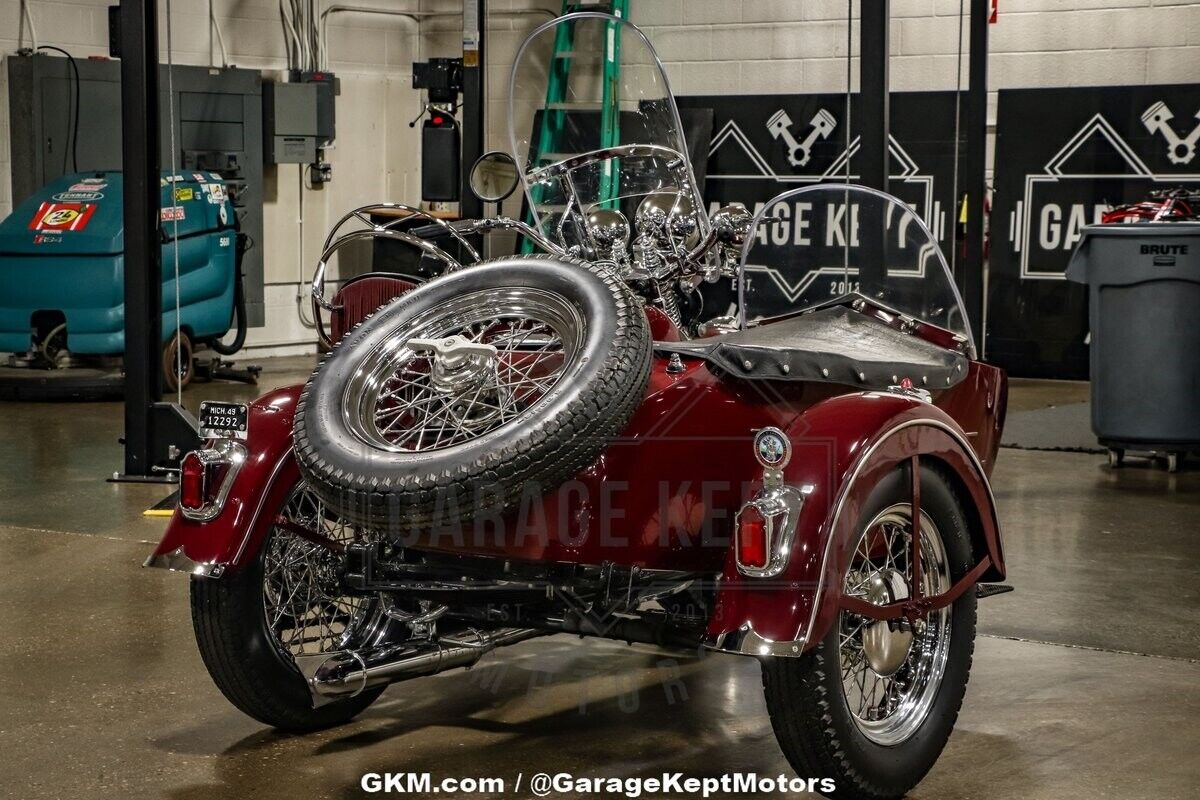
(710, 46)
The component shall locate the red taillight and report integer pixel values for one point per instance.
(192, 473)
(752, 539)
(206, 476)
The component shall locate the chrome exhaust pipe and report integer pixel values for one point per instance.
(337, 676)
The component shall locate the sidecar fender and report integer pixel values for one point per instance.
(230, 540)
(842, 447)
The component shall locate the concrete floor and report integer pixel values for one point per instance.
(1086, 680)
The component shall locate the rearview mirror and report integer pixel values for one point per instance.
(494, 176)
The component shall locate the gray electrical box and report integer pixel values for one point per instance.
(290, 126)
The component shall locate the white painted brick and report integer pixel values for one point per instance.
(10, 14)
(1094, 30)
(1172, 64)
(656, 12)
(772, 77)
(743, 42)
(682, 44)
(700, 12)
(930, 36)
(712, 77)
(829, 75)
(1009, 7)
(358, 46)
(809, 40)
(401, 48)
(1078, 68)
(775, 11)
(69, 23)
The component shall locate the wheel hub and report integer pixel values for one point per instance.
(885, 643)
(459, 365)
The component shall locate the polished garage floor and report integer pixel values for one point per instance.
(1086, 681)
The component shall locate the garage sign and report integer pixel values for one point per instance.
(764, 145)
(1064, 156)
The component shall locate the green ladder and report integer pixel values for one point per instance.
(554, 113)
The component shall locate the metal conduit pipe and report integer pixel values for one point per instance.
(414, 16)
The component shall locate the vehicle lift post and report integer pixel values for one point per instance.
(875, 127)
(156, 433)
(474, 62)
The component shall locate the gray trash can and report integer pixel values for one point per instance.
(1144, 313)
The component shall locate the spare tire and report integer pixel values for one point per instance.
(472, 390)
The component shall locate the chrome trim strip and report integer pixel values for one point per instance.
(225, 451)
(262, 499)
(176, 561)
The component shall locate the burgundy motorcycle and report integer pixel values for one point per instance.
(1163, 205)
(762, 434)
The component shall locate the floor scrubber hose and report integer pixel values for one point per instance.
(239, 302)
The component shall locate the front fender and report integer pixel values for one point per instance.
(842, 447)
(227, 542)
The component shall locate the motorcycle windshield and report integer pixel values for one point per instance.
(820, 244)
(580, 85)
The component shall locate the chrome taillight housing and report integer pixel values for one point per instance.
(206, 476)
(766, 526)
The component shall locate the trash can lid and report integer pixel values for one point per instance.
(1164, 245)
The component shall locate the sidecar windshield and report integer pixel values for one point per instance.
(818, 244)
(584, 83)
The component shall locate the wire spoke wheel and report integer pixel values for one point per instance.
(473, 390)
(891, 670)
(304, 606)
(473, 366)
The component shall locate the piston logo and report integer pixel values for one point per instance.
(1180, 149)
(800, 150)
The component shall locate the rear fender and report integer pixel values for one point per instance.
(231, 540)
(842, 448)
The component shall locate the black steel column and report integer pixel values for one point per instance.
(143, 267)
(874, 118)
(971, 265)
(474, 65)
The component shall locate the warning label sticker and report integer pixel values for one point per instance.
(173, 213)
(62, 217)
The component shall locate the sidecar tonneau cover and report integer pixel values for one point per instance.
(830, 345)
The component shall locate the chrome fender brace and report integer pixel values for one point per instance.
(918, 605)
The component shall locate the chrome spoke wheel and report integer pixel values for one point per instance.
(891, 671)
(463, 370)
(304, 606)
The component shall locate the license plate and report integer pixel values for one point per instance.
(223, 419)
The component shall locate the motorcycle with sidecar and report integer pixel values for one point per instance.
(763, 434)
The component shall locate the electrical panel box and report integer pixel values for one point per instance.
(328, 87)
(218, 128)
(290, 123)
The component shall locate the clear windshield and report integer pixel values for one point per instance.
(581, 84)
(814, 245)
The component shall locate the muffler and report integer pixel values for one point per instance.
(337, 676)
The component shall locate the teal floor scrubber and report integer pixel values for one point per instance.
(62, 318)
